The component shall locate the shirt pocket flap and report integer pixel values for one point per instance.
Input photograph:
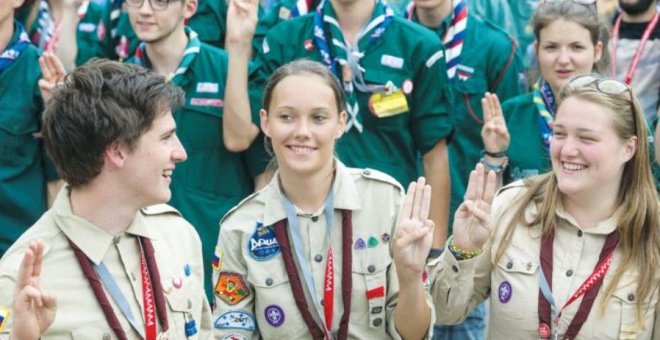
(369, 265)
(522, 266)
(269, 278)
(474, 85)
(383, 76)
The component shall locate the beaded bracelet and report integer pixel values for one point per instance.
(460, 253)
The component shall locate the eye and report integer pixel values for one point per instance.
(285, 116)
(578, 47)
(588, 139)
(558, 134)
(319, 117)
(550, 47)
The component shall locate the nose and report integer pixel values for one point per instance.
(146, 7)
(564, 56)
(179, 153)
(302, 130)
(570, 147)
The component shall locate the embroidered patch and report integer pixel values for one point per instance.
(385, 238)
(86, 27)
(391, 61)
(435, 57)
(504, 292)
(231, 288)
(309, 44)
(4, 316)
(263, 244)
(206, 87)
(464, 72)
(217, 259)
(284, 13)
(359, 244)
(373, 242)
(274, 315)
(236, 320)
(376, 293)
(214, 102)
(234, 337)
(265, 47)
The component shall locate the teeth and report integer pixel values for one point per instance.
(167, 173)
(573, 167)
(302, 149)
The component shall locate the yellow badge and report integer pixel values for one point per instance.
(231, 288)
(385, 105)
(4, 316)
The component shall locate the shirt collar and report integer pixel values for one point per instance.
(604, 227)
(92, 240)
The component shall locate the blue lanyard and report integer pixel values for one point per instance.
(292, 219)
(111, 285)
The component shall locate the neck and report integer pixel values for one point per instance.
(590, 210)
(433, 17)
(353, 16)
(643, 17)
(308, 193)
(6, 32)
(116, 213)
(165, 55)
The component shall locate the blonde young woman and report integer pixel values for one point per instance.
(573, 253)
(319, 252)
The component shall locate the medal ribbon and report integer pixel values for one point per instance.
(548, 312)
(191, 51)
(349, 58)
(650, 27)
(544, 100)
(20, 41)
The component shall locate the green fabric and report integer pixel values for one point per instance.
(210, 22)
(487, 52)
(93, 34)
(212, 180)
(24, 166)
(388, 144)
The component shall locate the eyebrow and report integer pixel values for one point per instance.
(168, 132)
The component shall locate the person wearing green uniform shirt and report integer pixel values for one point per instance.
(213, 179)
(568, 43)
(480, 57)
(394, 76)
(25, 170)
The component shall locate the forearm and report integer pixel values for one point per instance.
(237, 127)
(412, 302)
(66, 47)
(436, 171)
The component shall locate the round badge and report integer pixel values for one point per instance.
(274, 315)
(309, 44)
(386, 238)
(407, 86)
(504, 292)
(544, 331)
(177, 282)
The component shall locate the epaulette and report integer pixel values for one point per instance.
(230, 211)
(379, 176)
(517, 184)
(160, 209)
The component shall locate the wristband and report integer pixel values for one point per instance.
(498, 154)
(498, 169)
(460, 253)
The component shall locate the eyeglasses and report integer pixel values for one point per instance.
(157, 5)
(579, 2)
(607, 86)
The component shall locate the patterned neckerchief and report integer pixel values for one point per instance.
(45, 26)
(544, 100)
(19, 42)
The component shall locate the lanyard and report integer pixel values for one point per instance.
(328, 285)
(148, 301)
(548, 312)
(544, 100)
(638, 52)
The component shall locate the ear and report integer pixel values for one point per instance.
(341, 127)
(189, 8)
(115, 155)
(598, 51)
(263, 117)
(630, 148)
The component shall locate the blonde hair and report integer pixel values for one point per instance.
(639, 221)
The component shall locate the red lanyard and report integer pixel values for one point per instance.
(148, 307)
(589, 288)
(329, 292)
(638, 52)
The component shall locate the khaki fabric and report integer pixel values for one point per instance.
(79, 315)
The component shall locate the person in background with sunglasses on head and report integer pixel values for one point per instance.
(568, 43)
(570, 254)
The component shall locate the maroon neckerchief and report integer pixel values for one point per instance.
(86, 266)
(296, 285)
(544, 309)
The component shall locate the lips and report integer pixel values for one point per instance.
(301, 149)
(572, 166)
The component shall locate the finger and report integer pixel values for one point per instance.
(478, 213)
(49, 300)
(405, 239)
(497, 107)
(45, 70)
(25, 270)
(491, 187)
(480, 182)
(426, 203)
(30, 294)
(419, 193)
(38, 249)
(470, 192)
(406, 208)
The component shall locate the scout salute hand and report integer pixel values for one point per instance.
(494, 133)
(471, 222)
(241, 22)
(53, 73)
(33, 310)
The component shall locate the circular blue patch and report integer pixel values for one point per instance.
(263, 244)
(274, 315)
(504, 292)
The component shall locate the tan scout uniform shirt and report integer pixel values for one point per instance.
(513, 283)
(79, 315)
(374, 199)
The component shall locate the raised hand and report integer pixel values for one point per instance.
(494, 132)
(471, 221)
(53, 73)
(33, 310)
(414, 232)
(241, 23)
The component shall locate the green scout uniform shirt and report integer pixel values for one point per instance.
(93, 34)
(488, 62)
(212, 180)
(177, 253)
(390, 144)
(374, 200)
(24, 166)
(210, 21)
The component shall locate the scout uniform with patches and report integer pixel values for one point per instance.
(486, 61)
(177, 254)
(397, 101)
(513, 282)
(253, 291)
(24, 166)
(212, 180)
(94, 32)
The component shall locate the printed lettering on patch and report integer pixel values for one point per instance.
(207, 87)
(391, 61)
(236, 320)
(263, 245)
(234, 337)
(231, 288)
(214, 102)
(86, 27)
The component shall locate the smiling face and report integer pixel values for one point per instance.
(564, 50)
(588, 156)
(303, 128)
(153, 26)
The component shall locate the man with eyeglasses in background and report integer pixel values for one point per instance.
(215, 177)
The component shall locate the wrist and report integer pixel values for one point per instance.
(498, 165)
(494, 154)
(463, 253)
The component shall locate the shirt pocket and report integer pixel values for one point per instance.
(185, 304)
(18, 137)
(514, 290)
(467, 109)
(370, 287)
